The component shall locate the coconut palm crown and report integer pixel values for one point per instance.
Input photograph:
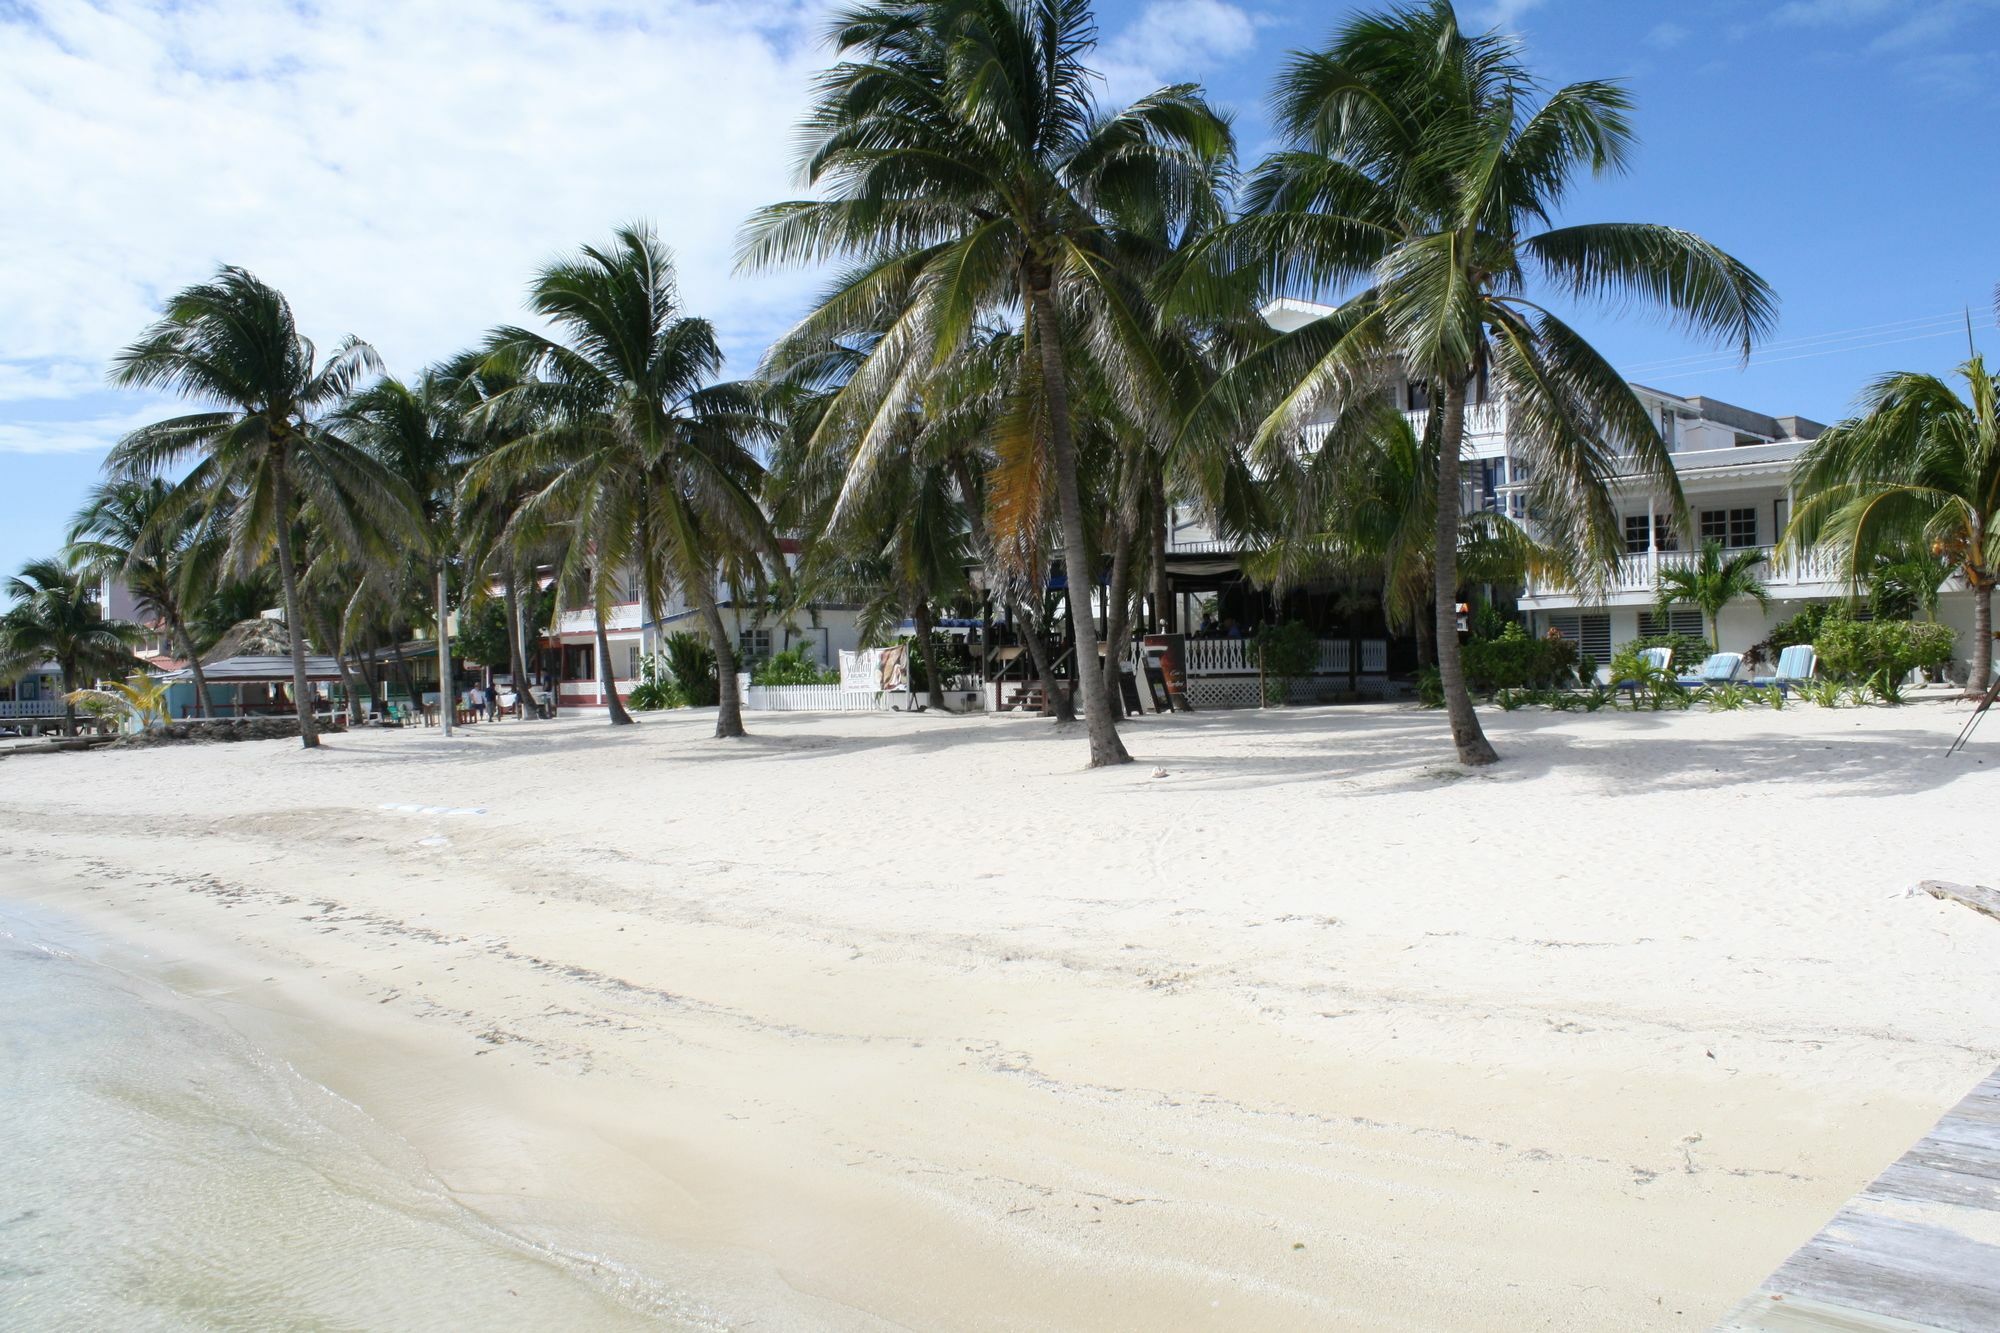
(637, 457)
(1918, 467)
(265, 451)
(1422, 171)
(55, 618)
(1716, 578)
(962, 158)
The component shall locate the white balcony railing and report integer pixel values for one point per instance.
(31, 708)
(1238, 657)
(1641, 572)
(1480, 419)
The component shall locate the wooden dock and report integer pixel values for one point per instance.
(1915, 1252)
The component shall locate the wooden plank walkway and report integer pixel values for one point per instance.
(1915, 1252)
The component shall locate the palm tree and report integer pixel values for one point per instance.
(1368, 512)
(130, 529)
(55, 618)
(639, 456)
(264, 449)
(964, 159)
(1919, 465)
(416, 433)
(1715, 579)
(1417, 170)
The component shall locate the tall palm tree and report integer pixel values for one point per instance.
(130, 529)
(641, 457)
(1919, 465)
(1368, 512)
(961, 153)
(1420, 173)
(415, 431)
(1715, 579)
(55, 618)
(265, 448)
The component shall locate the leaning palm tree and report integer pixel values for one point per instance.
(639, 458)
(963, 158)
(129, 529)
(1715, 579)
(1420, 174)
(1919, 466)
(265, 447)
(55, 618)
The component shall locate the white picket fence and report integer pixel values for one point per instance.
(810, 698)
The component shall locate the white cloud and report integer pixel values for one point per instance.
(1174, 40)
(84, 434)
(1924, 35)
(1503, 14)
(1666, 36)
(399, 171)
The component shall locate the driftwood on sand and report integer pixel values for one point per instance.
(1976, 896)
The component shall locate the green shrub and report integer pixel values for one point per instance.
(692, 665)
(1879, 653)
(793, 667)
(1689, 651)
(1803, 627)
(1514, 661)
(1430, 688)
(1288, 652)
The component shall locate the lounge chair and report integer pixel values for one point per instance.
(1657, 658)
(1796, 665)
(1719, 669)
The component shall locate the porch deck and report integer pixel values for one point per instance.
(1917, 1251)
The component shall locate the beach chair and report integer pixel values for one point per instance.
(1796, 665)
(1719, 669)
(1657, 658)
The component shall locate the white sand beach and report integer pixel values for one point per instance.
(882, 1021)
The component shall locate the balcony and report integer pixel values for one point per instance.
(1238, 657)
(1818, 573)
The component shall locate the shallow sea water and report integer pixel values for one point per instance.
(158, 1171)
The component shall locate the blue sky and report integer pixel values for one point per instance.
(400, 170)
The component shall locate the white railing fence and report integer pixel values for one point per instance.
(1238, 657)
(811, 698)
(31, 707)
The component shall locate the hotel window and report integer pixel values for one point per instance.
(1731, 527)
(753, 646)
(1663, 534)
(1680, 620)
(1590, 633)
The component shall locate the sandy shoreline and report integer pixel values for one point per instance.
(887, 1020)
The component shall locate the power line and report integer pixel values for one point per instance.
(1829, 351)
(1955, 320)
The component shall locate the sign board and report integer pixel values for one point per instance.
(1168, 653)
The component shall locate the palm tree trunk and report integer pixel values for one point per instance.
(934, 684)
(447, 678)
(69, 705)
(510, 601)
(1105, 747)
(613, 706)
(1466, 734)
(729, 708)
(1118, 615)
(1982, 638)
(288, 575)
(1057, 703)
(403, 669)
(1163, 595)
(180, 628)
